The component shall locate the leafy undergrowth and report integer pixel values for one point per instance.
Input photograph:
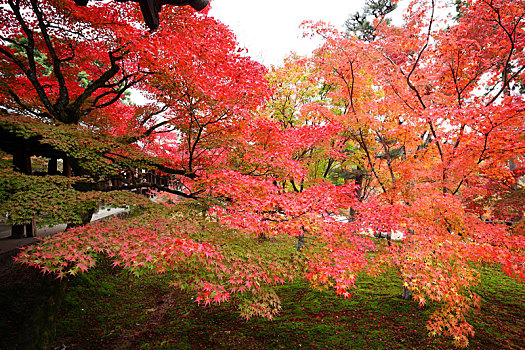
(111, 309)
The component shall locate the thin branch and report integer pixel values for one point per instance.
(128, 187)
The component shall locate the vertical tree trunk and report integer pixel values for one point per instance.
(351, 214)
(300, 242)
(359, 183)
(407, 295)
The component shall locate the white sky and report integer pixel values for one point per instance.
(270, 28)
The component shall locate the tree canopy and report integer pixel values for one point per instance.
(415, 131)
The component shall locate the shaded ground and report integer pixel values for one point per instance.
(109, 309)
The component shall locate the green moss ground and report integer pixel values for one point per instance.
(110, 309)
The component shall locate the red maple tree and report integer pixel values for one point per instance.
(414, 132)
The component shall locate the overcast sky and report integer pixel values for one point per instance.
(270, 28)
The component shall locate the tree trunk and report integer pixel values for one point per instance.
(351, 214)
(300, 242)
(407, 295)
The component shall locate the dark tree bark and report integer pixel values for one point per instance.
(407, 295)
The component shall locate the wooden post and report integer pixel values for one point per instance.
(22, 159)
(52, 166)
(31, 229)
(22, 163)
(66, 167)
(17, 231)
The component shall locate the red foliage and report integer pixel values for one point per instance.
(419, 125)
